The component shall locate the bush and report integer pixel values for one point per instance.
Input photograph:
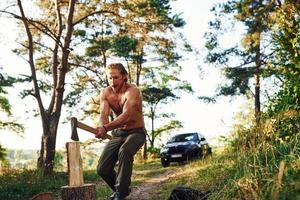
(153, 152)
(267, 163)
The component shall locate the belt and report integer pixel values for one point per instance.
(126, 132)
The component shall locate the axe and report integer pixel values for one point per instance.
(75, 124)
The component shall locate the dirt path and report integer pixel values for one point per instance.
(150, 187)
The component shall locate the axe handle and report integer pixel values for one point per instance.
(90, 129)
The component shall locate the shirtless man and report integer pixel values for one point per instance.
(125, 101)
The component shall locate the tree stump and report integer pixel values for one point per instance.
(85, 192)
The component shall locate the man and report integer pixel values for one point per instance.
(125, 101)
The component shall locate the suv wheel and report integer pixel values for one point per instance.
(182, 162)
(165, 163)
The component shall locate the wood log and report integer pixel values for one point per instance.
(84, 192)
(75, 171)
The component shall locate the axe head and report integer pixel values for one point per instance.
(74, 135)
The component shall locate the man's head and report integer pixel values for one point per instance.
(116, 74)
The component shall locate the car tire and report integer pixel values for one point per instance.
(182, 162)
(209, 151)
(200, 154)
(165, 163)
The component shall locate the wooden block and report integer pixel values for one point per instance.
(75, 170)
(85, 192)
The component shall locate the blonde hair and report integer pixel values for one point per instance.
(118, 66)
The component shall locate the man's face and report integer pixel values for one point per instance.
(115, 78)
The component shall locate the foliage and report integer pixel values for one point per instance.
(244, 62)
(160, 89)
(267, 153)
(6, 121)
(5, 107)
(2, 153)
(59, 161)
(153, 97)
(153, 152)
(5, 82)
(261, 155)
(284, 109)
(132, 31)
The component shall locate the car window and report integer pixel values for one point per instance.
(184, 138)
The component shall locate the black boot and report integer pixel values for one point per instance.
(119, 196)
(111, 197)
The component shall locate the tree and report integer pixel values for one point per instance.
(245, 62)
(135, 32)
(48, 49)
(284, 107)
(153, 96)
(162, 88)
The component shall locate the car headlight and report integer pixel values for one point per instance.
(164, 150)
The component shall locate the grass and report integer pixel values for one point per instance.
(224, 175)
(12, 184)
(24, 184)
(207, 175)
(17, 185)
(146, 170)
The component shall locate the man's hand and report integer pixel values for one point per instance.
(102, 133)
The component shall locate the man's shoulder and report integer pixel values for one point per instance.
(133, 87)
(106, 90)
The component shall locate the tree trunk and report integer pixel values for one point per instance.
(48, 144)
(257, 100)
(50, 118)
(144, 151)
(257, 83)
(85, 192)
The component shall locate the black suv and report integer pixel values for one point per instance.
(183, 147)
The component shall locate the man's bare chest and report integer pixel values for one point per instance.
(116, 102)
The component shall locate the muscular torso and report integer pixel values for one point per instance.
(117, 103)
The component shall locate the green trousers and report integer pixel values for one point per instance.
(121, 148)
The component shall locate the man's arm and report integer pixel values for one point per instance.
(104, 109)
(104, 113)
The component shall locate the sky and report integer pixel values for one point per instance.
(212, 120)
